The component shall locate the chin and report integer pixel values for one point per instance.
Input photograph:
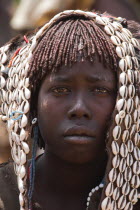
(78, 158)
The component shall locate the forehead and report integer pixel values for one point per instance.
(86, 69)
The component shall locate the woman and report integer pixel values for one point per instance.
(74, 85)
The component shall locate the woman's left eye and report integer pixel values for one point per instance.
(101, 90)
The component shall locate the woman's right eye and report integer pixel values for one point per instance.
(61, 90)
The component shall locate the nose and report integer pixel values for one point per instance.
(79, 109)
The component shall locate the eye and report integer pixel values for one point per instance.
(60, 90)
(100, 90)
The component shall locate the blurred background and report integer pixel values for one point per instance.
(20, 16)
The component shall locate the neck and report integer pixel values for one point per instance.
(56, 175)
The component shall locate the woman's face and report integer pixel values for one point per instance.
(74, 108)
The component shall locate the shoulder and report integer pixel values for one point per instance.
(8, 187)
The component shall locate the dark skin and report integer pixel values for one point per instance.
(74, 108)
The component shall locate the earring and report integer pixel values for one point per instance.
(34, 121)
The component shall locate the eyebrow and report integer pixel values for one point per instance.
(92, 79)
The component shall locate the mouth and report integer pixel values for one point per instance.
(79, 135)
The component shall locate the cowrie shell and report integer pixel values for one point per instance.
(129, 160)
(132, 50)
(23, 134)
(117, 25)
(115, 40)
(22, 172)
(137, 102)
(130, 75)
(135, 43)
(126, 188)
(115, 147)
(100, 20)
(116, 161)
(136, 167)
(133, 130)
(128, 121)
(137, 76)
(23, 121)
(117, 132)
(128, 174)
(25, 147)
(25, 106)
(21, 199)
(112, 175)
(135, 63)
(126, 47)
(131, 91)
(22, 157)
(118, 119)
(123, 64)
(135, 181)
(106, 203)
(129, 61)
(119, 180)
(123, 91)
(121, 105)
(16, 60)
(109, 29)
(127, 32)
(122, 202)
(2, 82)
(129, 206)
(130, 146)
(123, 78)
(137, 138)
(122, 165)
(116, 193)
(123, 150)
(21, 185)
(135, 116)
(4, 58)
(113, 205)
(125, 135)
(130, 105)
(109, 189)
(120, 36)
(120, 52)
(133, 196)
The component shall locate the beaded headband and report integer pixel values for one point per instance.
(123, 168)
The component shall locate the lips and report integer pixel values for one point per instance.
(79, 131)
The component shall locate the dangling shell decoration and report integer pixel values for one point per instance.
(122, 177)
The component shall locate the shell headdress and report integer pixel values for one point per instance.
(123, 168)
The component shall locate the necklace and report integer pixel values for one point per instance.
(101, 185)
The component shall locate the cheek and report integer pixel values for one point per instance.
(104, 110)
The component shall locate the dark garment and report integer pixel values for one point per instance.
(9, 193)
(8, 188)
